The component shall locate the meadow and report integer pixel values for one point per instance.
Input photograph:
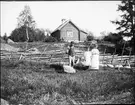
(30, 83)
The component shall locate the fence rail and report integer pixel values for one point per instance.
(56, 53)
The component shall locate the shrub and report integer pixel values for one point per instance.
(50, 39)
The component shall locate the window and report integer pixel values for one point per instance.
(69, 33)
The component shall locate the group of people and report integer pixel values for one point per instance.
(91, 56)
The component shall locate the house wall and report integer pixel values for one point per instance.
(83, 36)
(69, 33)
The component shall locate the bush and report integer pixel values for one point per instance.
(50, 39)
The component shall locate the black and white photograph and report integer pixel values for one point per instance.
(67, 52)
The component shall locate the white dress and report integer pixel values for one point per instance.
(87, 57)
(95, 59)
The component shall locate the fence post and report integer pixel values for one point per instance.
(43, 52)
(122, 52)
(113, 55)
(103, 57)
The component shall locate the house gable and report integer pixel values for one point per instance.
(69, 32)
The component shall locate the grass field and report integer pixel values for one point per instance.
(30, 83)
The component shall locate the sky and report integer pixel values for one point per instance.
(94, 16)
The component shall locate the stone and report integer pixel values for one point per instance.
(4, 102)
(69, 69)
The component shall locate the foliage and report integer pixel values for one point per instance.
(26, 30)
(113, 38)
(126, 25)
(50, 39)
(90, 36)
(25, 18)
(19, 34)
(47, 32)
(103, 34)
(39, 35)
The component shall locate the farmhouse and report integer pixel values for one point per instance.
(68, 31)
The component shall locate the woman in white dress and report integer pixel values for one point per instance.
(94, 57)
(87, 57)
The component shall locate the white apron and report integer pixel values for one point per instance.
(95, 59)
(87, 56)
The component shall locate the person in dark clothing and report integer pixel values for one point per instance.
(71, 54)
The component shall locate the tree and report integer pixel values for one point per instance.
(103, 34)
(50, 39)
(40, 34)
(126, 25)
(48, 32)
(25, 19)
(19, 34)
(113, 38)
(90, 36)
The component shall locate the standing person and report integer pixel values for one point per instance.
(95, 57)
(87, 57)
(71, 54)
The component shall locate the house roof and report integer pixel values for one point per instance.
(66, 22)
(83, 31)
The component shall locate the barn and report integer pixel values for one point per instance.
(68, 31)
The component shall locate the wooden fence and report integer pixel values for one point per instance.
(56, 53)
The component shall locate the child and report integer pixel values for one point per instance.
(86, 64)
(71, 54)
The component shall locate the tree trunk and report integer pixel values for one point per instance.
(27, 37)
